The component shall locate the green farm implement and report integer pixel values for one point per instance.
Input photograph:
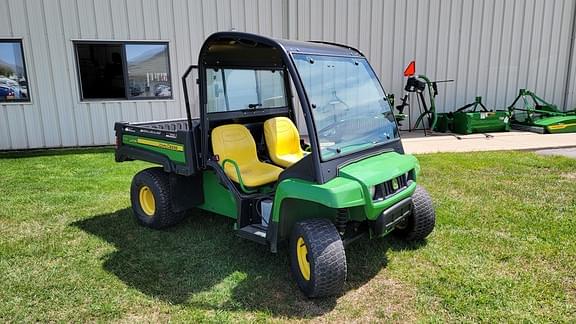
(474, 118)
(537, 115)
(420, 85)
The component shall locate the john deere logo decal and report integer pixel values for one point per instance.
(395, 184)
(167, 146)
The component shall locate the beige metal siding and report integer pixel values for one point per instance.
(56, 117)
(491, 47)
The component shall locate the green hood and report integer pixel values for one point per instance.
(376, 169)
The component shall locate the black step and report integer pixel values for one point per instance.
(256, 233)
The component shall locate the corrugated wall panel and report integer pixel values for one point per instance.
(56, 116)
(490, 47)
(570, 95)
(6, 27)
(25, 118)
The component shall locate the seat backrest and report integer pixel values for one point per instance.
(282, 137)
(234, 142)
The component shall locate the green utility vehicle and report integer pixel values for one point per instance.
(244, 158)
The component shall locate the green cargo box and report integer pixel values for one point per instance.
(481, 122)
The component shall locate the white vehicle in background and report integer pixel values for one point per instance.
(162, 90)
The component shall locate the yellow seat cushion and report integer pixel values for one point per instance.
(283, 141)
(234, 142)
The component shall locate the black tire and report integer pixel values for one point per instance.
(157, 182)
(420, 223)
(325, 255)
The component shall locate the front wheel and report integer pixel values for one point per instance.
(420, 223)
(317, 256)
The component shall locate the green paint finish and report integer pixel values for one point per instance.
(558, 124)
(377, 169)
(351, 188)
(217, 199)
(537, 112)
(172, 150)
(336, 193)
(474, 118)
(481, 122)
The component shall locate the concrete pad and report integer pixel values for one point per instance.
(487, 142)
(567, 152)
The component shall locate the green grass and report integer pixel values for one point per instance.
(504, 249)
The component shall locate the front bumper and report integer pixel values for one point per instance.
(390, 217)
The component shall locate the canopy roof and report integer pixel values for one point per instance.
(245, 49)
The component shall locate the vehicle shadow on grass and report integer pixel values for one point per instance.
(201, 263)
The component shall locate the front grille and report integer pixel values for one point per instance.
(393, 186)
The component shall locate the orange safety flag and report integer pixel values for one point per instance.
(410, 69)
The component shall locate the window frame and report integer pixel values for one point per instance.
(127, 97)
(28, 100)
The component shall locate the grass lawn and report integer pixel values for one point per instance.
(504, 249)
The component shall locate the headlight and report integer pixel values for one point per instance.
(371, 191)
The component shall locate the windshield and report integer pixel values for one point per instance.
(349, 107)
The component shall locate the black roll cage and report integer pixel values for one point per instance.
(323, 171)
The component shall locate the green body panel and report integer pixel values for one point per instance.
(336, 193)
(217, 198)
(481, 122)
(377, 169)
(351, 187)
(558, 124)
(174, 151)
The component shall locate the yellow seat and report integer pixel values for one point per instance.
(234, 142)
(283, 141)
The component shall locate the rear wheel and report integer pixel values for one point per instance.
(420, 223)
(317, 256)
(151, 199)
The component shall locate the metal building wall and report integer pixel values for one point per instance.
(491, 47)
(56, 117)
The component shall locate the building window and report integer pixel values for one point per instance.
(123, 70)
(13, 78)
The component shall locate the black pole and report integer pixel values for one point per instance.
(186, 98)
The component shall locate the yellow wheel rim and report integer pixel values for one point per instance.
(302, 254)
(147, 201)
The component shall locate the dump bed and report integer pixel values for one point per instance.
(170, 143)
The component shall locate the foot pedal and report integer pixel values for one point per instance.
(255, 233)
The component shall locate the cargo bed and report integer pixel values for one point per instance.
(170, 143)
